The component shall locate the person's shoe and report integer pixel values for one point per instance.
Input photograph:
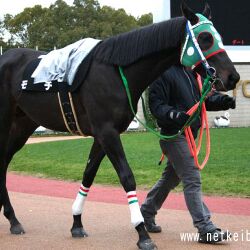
(151, 226)
(214, 236)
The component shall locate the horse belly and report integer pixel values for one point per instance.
(44, 109)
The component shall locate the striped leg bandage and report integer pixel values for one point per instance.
(136, 216)
(78, 204)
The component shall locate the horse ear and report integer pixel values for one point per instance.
(188, 13)
(207, 12)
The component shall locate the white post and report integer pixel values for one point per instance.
(162, 12)
(36, 47)
(1, 50)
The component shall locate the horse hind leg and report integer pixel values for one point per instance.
(5, 127)
(95, 157)
(21, 128)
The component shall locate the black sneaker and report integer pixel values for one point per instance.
(214, 236)
(151, 226)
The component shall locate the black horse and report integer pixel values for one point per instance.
(101, 104)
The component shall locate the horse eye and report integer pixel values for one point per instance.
(205, 40)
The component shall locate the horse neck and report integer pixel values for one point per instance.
(143, 72)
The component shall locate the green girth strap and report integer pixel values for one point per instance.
(205, 90)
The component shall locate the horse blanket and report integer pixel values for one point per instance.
(61, 65)
(67, 66)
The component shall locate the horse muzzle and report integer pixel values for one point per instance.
(227, 84)
(233, 79)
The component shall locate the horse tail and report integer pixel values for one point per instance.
(3, 66)
(5, 63)
(1, 69)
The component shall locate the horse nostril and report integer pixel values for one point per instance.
(234, 78)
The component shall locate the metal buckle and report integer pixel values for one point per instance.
(211, 71)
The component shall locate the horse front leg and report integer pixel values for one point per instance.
(95, 157)
(110, 140)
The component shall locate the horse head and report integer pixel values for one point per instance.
(203, 49)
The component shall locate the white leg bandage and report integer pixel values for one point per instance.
(136, 216)
(78, 204)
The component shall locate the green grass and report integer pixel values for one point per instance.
(227, 172)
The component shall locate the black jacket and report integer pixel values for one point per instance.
(177, 90)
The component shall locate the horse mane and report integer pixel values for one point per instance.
(127, 48)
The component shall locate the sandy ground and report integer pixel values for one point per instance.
(48, 139)
(47, 221)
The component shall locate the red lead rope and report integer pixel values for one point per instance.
(189, 135)
(194, 150)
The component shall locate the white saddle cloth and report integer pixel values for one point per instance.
(62, 64)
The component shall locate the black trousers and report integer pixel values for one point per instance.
(180, 167)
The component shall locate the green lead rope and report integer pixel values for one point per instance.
(206, 88)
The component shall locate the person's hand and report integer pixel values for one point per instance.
(228, 102)
(179, 117)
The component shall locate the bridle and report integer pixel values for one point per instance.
(192, 55)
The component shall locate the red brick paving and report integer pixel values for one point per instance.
(56, 188)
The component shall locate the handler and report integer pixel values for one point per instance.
(170, 96)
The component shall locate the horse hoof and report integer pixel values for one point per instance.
(78, 232)
(147, 245)
(17, 229)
